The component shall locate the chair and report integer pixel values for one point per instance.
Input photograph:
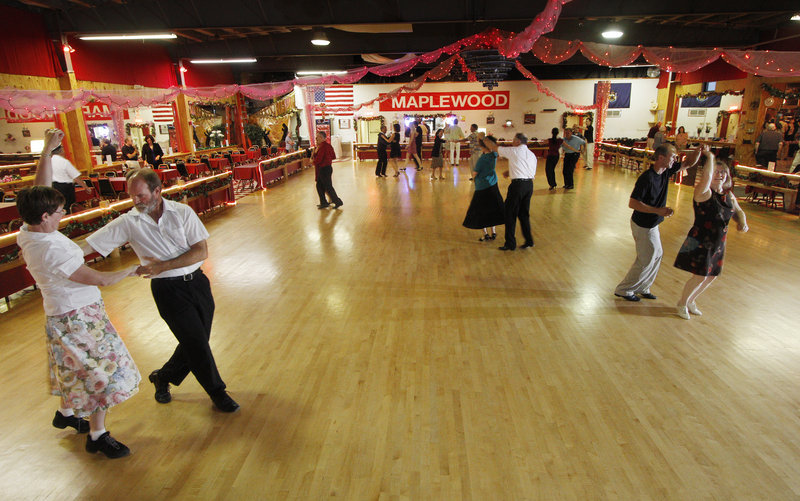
(94, 174)
(110, 173)
(230, 158)
(264, 151)
(182, 169)
(123, 195)
(76, 207)
(106, 189)
(87, 183)
(15, 224)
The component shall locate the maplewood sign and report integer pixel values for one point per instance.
(446, 101)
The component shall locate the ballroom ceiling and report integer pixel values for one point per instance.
(278, 33)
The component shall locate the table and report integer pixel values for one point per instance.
(218, 163)
(8, 212)
(238, 157)
(253, 154)
(83, 194)
(166, 174)
(195, 168)
(249, 173)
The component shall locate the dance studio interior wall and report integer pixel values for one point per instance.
(525, 98)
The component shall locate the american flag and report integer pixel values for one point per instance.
(163, 113)
(333, 97)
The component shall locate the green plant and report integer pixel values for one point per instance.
(254, 132)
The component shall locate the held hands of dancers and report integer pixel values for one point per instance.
(150, 268)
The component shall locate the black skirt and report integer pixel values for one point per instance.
(486, 209)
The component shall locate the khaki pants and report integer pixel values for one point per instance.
(648, 259)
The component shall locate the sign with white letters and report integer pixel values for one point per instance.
(446, 101)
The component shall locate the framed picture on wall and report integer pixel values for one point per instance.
(163, 129)
(490, 120)
(344, 123)
(529, 118)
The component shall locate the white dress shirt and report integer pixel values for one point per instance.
(521, 161)
(63, 170)
(177, 230)
(51, 258)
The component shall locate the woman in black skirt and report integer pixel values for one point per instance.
(486, 209)
(394, 148)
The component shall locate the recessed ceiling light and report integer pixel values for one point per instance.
(222, 61)
(320, 38)
(612, 33)
(131, 36)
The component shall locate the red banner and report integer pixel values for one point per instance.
(17, 117)
(446, 101)
(96, 111)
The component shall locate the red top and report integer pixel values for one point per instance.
(323, 156)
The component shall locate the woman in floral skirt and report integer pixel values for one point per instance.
(703, 250)
(90, 367)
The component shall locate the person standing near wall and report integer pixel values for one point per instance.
(572, 151)
(589, 137)
(553, 145)
(454, 137)
(383, 159)
(65, 175)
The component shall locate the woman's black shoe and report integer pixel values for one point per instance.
(61, 421)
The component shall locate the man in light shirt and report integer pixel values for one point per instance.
(522, 170)
(454, 135)
(170, 241)
(65, 175)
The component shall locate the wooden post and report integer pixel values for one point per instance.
(75, 129)
(749, 120)
(184, 128)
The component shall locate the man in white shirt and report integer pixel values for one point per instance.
(65, 175)
(170, 241)
(454, 136)
(522, 170)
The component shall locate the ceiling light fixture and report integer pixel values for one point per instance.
(796, 17)
(223, 61)
(319, 38)
(612, 33)
(132, 36)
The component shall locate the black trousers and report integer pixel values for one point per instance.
(383, 161)
(517, 206)
(325, 185)
(764, 157)
(68, 190)
(188, 310)
(550, 170)
(570, 160)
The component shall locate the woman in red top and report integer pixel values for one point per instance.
(553, 144)
(323, 171)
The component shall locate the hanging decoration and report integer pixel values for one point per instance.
(706, 94)
(772, 91)
(488, 65)
(544, 90)
(602, 97)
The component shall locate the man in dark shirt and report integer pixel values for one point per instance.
(323, 171)
(648, 201)
(108, 150)
(130, 155)
(383, 159)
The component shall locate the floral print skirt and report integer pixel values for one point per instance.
(90, 367)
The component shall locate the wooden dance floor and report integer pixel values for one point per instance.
(380, 352)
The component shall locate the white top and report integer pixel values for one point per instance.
(176, 231)
(51, 258)
(63, 170)
(521, 161)
(454, 133)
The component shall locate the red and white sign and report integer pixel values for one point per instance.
(19, 117)
(445, 101)
(96, 111)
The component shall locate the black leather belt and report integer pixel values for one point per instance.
(522, 179)
(185, 278)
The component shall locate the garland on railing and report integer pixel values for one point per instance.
(88, 227)
(11, 256)
(779, 93)
(284, 159)
(721, 115)
(10, 177)
(566, 114)
(200, 190)
(757, 177)
(710, 93)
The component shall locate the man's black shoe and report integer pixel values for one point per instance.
(338, 204)
(162, 388)
(62, 421)
(506, 248)
(526, 245)
(629, 297)
(224, 402)
(107, 445)
(647, 295)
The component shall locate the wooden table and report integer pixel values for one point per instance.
(167, 174)
(250, 173)
(218, 163)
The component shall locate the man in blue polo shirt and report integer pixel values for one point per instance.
(572, 151)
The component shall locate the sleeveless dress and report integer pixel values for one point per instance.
(394, 146)
(704, 248)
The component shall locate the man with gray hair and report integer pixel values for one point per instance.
(170, 242)
(522, 170)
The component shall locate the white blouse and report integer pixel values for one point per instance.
(51, 258)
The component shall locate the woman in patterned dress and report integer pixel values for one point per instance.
(90, 367)
(703, 250)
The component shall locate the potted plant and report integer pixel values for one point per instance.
(254, 133)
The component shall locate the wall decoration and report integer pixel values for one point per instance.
(490, 120)
(26, 132)
(344, 123)
(163, 129)
(589, 116)
(530, 118)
